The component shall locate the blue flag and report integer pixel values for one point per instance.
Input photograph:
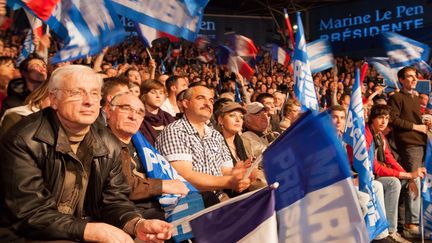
(354, 136)
(320, 55)
(303, 84)
(176, 207)
(316, 200)
(85, 28)
(246, 218)
(427, 193)
(382, 65)
(178, 18)
(403, 51)
(27, 48)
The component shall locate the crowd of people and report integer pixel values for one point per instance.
(70, 170)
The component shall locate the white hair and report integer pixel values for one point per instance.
(68, 72)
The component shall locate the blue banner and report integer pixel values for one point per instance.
(176, 207)
(427, 193)
(376, 221)
(303, 84)
(178, 18)
(403, 51)
(316, 200)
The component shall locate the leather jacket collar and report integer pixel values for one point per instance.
(51, 132)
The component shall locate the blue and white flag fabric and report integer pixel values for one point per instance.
(303, 83)
(246, 218)
(403, 51)
(316, 200)
(175, 17)
(376, 221)
(427, 193)
(382, 65)
(86, 27)
(320, 55)
(175, 207)
(27, 48)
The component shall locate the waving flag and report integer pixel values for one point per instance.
(205, 57)
(201, 42)
(280, 55)
(236, 64)
(223, 54)
(403, 51)
(427, 192)
(246, 218)
(86, 27)
(35, 23)
(382, 65)
(149, 34)
(176, 207)
(303, 84)
(316, 200)
(354, 136)
(177, 18)
(243, 46)
(320, 55)
(27, 48)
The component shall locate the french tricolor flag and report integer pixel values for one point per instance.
(280, 55)
(316, 200)
(149, 34)
(243, 46)
(236, 64)
(247, 218)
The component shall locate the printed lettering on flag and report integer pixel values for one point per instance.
(303, 84)
(316, 200)
(175, 207)
(320, 55)
(173, 17)
(354, 136)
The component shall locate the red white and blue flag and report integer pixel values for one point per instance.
(243, 46)
(280, 55)
(149, 34)
(247, 218)
(236, 64)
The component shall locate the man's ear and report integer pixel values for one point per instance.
(53, 100)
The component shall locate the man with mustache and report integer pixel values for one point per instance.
(196, 150)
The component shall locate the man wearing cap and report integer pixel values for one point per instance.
(199, 152)
(256, 123)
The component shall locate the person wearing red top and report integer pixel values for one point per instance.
(386, 169)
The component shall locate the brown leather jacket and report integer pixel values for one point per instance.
(32, 172)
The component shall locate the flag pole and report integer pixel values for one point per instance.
(148, 52)
(289, 27)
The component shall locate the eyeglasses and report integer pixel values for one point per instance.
(129, 109)
(79, 94)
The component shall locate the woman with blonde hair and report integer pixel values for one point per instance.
(37, 100)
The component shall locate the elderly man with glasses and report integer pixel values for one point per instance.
(61, 177)
(125, 115)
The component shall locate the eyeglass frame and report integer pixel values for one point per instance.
(82, 93)
(129, 109)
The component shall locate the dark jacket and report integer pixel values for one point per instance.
(31, 181)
